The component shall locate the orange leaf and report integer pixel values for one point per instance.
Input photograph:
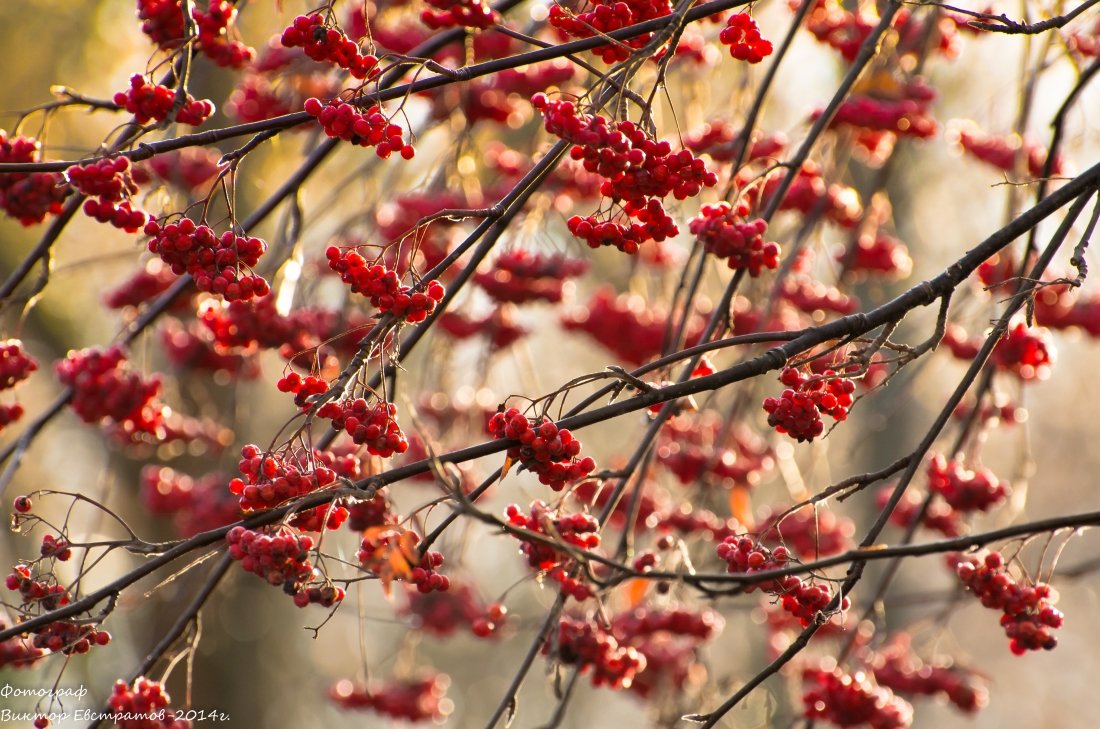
(635, 592)
(741, 506)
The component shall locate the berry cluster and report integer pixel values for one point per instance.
(162, 21)
(628, 325)
(148, 101)
(718, 139)
(443, 613)
(810, 296)
(1002, 152)
(852, 700)
(938, 517)
(213, 37)
(15, 366)
(144, 285)
(608, 16)
(462, 13)
(413, 700)
(392, 553)
(17, 652)
(810, 533)
(498, 326)
(196, 505)
(322, 44)
(743, 37)
(108, 183)
(217, 263)
(797, 412)
(368, 513)
(1026, 352)
(587, 645)
(368, 128)
(372, 425)
(1058, 307)
(383, 286)
(303, 388)
(904, 112)
(655, 225)
(896, 668)
(689, 448)
(878, 254)
(668, 639)
(1029, 612)
(104, 388)
(144, 706)
(187, 169)
(519, 277)
(29, 198)
(962, 489)
(543, 449)
(578, 530)
(56, 548)
(809, 195)
(59, 636)
(280, 558)
(726, 234)
(271, 478)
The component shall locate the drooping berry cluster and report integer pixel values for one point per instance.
(519, 276)
(105, 389)
(637, 171)
(162, 21)
(1059, 307)
(213, 35)
(669, 640)
(880, 254)
(498, 327)
(280, 558)
(810, 533)
(1028, 611)
(591, 648)
(1026, 352)
(15, 366)
(144, 705)
(743, 37)
(726, 233)
(374, 425)
(414, 699)
(392, 553)
(444, 613)
(578, 530)
(303, 388)
(688, 446)
(939, 516)
(196, 505)
(904, 111)
(187, 169)
(797, 412)
(718, 138)
(272, 478)
(17, 652)
(462, 13)
(544, 449)
(217, 263)
(108, 184)
(383, 286)
(809, 295)
(849, 700)
(322, 44)
(632, 328)
(56, 548)
(965, 490)
(368, 128)
(607, 16)
(29, 197)
(41, 593)
(148, 102)
(896, 668)
(1003, 151)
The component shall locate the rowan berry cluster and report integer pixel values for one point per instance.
(303, 388)
(217, 263)
(280, 558)
(607, 16)
(213, 37)
(187, 169)
(718, 139)
(938, 517)
(1028, 611)
(1026, 352)
(519, 276)
(742, 35)
(1058, 307)
(627, 325)
(147, 102)
(810, 533)
(498, 326)
(903, 112)
(655, 225)
(29, 197)
(1003, 151)
(460, 13)
(810, 295)
(60, 636)
(578, 530)
(374, 425)
(444, 613)
(368, 128)
(162, 21)
(105, 389)
(668, 639)
(144, 705)
(809, 195)
(897, 669)
(56, 548)
(322, 44)
(15, 364)
(272, 478)
(852, 700)
(17, 652)
(591, 648)
(688, 447)
(878, 254)
(544, 449)
(726, 234)
(742, 555)
(964, 490)
(195, 505)
(381, 546)
(383, 286)
(413, 699)
(797, 412)
(143, 286)
(107, 178)
(367, 513)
